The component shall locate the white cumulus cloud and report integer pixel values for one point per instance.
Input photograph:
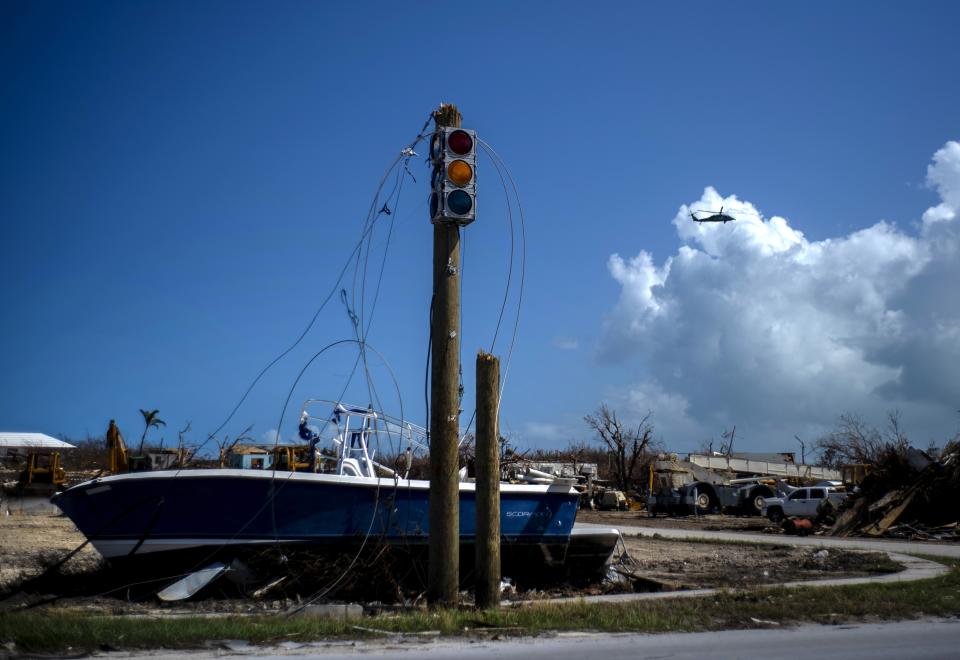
(750, 323)
(943, 174)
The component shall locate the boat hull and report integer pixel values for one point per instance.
(165, 512)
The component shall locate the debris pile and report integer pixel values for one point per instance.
(906, 495)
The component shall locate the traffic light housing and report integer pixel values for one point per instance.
(453, 198)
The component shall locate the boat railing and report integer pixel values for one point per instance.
(357, 429)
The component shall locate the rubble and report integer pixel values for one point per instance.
(907, 495)
(85, 584)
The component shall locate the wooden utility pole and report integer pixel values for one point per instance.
(444, 538)
(488, 481)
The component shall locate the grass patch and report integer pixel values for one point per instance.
(58, 631)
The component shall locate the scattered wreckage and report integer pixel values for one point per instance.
(907, 494)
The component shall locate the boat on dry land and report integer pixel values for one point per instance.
(343, 500)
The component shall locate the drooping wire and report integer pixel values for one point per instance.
(498, 163)
(395, 196)
(426, 374)
(367, 230)
(366, 234)
(361, 323)
(365, 328)
(506, 291)
(364, 320)
(376, 503)
(360, 328)
(500, 167)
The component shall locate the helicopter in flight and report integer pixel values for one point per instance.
(713, 217)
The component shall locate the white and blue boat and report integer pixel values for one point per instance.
(343, 499)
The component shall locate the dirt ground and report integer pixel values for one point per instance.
(716, 522)
(679, 565)
(671, 565)
(34, 537)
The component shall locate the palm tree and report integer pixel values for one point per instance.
(150, 419)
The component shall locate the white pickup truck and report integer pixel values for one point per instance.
(801, 503)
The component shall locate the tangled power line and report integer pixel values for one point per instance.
(360, 303)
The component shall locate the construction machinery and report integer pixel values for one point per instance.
(117, 453)
(37, 457)
(295, 458)
(119, 457)
(43, 473)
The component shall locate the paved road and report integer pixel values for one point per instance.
(917, 640)
(885, 545)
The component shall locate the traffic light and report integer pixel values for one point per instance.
(453, 152)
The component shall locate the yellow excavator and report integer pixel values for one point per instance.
(119, 457)
(117, 454)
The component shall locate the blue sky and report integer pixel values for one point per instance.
(181, 183)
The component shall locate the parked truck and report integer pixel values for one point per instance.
(709, 484)
(802, 502)
(682, 487)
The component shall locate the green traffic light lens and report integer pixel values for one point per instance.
(459, 202)
(434, 204)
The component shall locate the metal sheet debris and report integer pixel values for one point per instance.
(188, 586)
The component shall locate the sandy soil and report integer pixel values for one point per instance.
(32, 537)
(699, 565)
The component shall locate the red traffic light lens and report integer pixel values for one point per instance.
(459, 202)
(460, 142)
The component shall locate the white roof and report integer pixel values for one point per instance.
(31, 441)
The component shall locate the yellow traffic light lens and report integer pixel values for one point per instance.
(459, 172)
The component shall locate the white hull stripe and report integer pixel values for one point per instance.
(115, 548)
(330, 479)
(121, 547)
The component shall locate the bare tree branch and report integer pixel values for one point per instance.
(626, 445)
(855, 441)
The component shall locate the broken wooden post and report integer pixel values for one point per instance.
(488, 481)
